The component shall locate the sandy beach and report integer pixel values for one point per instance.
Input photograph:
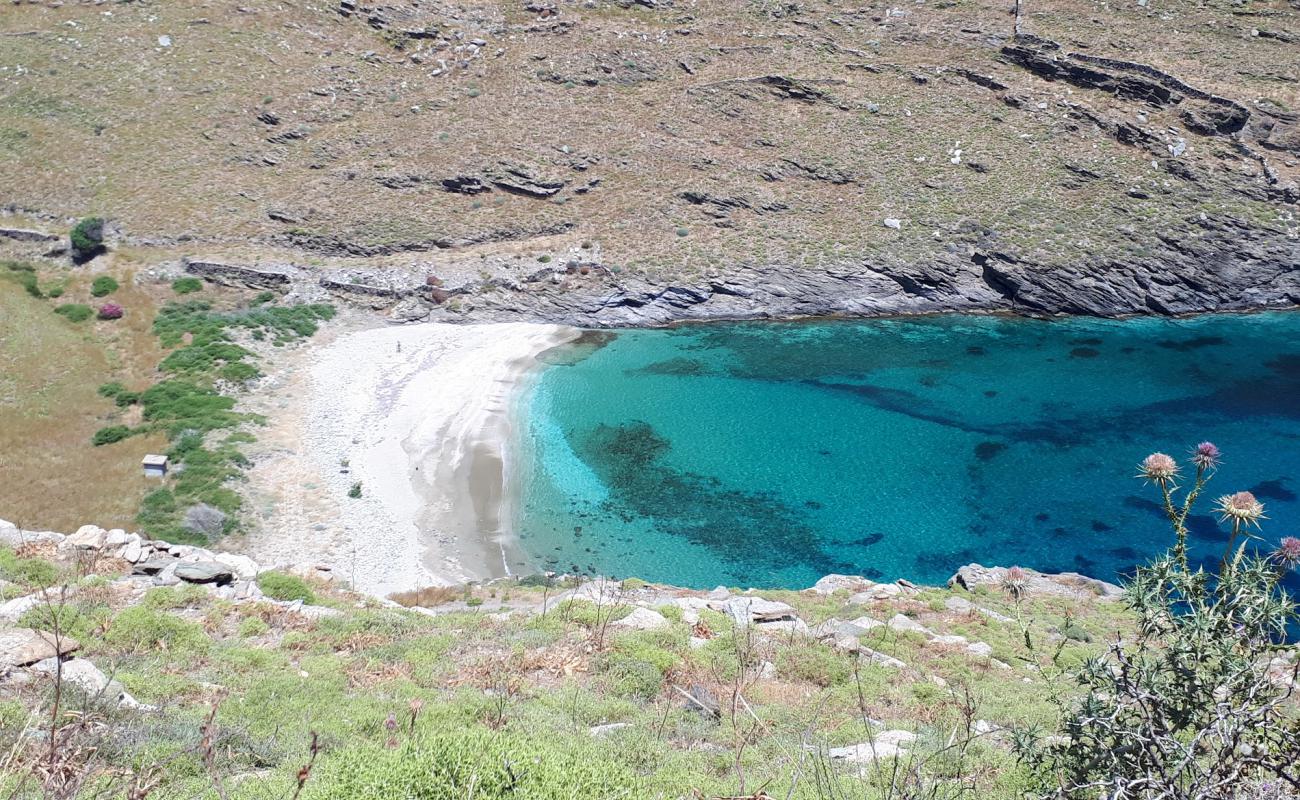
(418, 416)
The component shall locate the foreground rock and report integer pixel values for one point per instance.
(20, 647)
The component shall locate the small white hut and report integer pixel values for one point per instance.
(155, 466)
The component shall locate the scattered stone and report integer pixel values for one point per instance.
(901, 622)
(745, 610)
(85, 676)
(893, 222)
(883, 659)
(880, 591)
(642, 619)
(20, 647)
(12, 610)
(702, 701)
(205, 572)
(886, 744)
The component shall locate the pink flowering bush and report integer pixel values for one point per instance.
(1198, 703)
(111, 311)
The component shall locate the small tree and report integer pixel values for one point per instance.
(1198, 704)
(87, 239)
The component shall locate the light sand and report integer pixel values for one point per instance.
(418, 416)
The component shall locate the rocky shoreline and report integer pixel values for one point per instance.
(1220, 266)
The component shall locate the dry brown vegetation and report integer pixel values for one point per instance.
(279, 124)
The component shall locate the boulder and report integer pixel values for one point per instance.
(901, 622)
(132, 551)
(745, 610)
(205, 520)
(205, 572)
(10, 611)
(883, 659)
(831, 584)
(1064, 584)
(245, 568)
(961, 605)
(88, 678)
(116, 537)
(13, 536)
(20, 647)
(879, 591)
(87, 537)
(642, 619)
(886, 744)
(153, 566)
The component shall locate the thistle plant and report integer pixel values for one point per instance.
(1198, 703)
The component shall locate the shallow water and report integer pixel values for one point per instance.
(770, 454)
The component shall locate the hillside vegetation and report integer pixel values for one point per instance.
(679, 142)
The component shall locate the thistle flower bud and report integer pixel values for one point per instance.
(1206, 456)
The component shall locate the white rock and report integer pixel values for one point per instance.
(89, 679)
(744, 610)
(865, 623)
(696, 642)
(980, 649)
(244, 567)
(950, 639)
(133, 552)
(13, 536)
(900, 622)
(164, 41)
(884, 660)
(881, 591)
(601, 731)
(766, 671)
(641, 619)
(893, 222)
(116, 537)
(831, 584)
(313, 612)
(886, 744)
(15, 608)
(691, 608)
(87, 537)
(795, 625)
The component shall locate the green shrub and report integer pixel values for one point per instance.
(252, 626)
(33, 572)
(814, 663)
(140, 629)
(282, 586)
(441, 765)
(111, 434)
(75, 312)
(87, 239)
(355, 491)
(187, 285)
(103, 286)
(111, 389)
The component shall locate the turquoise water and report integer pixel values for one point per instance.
(770, 454)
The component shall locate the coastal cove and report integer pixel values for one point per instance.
(769, 454)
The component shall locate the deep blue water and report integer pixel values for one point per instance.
(770, 454)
